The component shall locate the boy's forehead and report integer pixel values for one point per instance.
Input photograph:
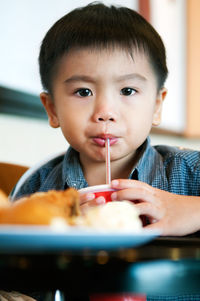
(103, 66)
(120, 64)
(110, 50)
(105, 56)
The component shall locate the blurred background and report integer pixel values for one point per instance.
(25, 134)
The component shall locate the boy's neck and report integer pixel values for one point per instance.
(95, 173)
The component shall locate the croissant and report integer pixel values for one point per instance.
(41, 208)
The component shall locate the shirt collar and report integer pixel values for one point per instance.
(148, 168)
(72, 171)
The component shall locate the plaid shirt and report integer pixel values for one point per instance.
(168, 168)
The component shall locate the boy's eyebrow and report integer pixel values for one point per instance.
(131, 76)
(85, 78)
(78, 78)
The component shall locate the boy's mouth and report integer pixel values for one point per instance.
(100, 140)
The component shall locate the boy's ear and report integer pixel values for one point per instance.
(158, 106)
(49, 105)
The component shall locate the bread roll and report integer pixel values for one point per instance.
(42, 207)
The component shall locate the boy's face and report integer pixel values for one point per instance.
(100, 94)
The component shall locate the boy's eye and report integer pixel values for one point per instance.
(83, 92)
(127, 91)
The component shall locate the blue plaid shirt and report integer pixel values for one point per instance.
(168, 168)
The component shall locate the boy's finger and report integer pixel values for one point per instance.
(136, 194)
(157, 227)
(124, 183)
(94, 202)
(148, 209)
(87, 197)
(88, 205)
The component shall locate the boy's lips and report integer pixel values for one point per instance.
(100, 140)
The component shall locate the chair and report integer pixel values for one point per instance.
(9, 175)
(32, 170)
(14, 176)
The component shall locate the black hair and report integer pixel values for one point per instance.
(99, 26)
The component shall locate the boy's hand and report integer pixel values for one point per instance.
(14, 296)
(171, 213)
(88, 200)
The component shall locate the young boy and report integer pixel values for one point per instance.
(103, 70)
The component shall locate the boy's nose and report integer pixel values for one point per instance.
(105, 109)
(104, 116)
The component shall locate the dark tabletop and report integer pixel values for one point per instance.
(164, 265)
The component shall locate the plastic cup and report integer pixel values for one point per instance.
(106, 191)
(99, 190)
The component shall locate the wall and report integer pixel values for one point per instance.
(22, 140)
(26, 140)
(193, 67)
(23, 25)
(169, 19)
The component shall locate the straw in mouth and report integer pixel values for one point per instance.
(108, 171)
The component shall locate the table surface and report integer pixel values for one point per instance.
(165, 265)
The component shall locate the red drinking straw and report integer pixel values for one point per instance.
(108, 171)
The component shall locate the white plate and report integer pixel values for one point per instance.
(44, 238)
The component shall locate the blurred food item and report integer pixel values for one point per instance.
(4, 201)
(120, 216)
(14, 296)
(43, 208)
(62, 208)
